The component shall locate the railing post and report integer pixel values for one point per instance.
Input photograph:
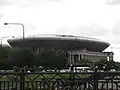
(22, 79)
(95, 80)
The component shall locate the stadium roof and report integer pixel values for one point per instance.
(60, 41)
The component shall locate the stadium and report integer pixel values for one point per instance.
(60, 41)
(78, 47)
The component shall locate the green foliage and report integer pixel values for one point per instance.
(4, 54)
(52, 58)
(110, 65)
(106, 65)
(102, 65)
(21, 58)
(117, 66)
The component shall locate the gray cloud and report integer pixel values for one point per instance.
(116, 29)
(22, 3)
(113, 2)
(30, 29)
(54, 0)
(1, 15)
(93, 30)
(38, 2)
(5, 2)
(115, 39)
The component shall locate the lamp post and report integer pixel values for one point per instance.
(18, 24)
(5, 37)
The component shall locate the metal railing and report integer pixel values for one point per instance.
(60, 81)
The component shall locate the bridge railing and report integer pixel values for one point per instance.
(60, 81)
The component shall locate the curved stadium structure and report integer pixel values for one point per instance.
(60, 41)
(79, 48)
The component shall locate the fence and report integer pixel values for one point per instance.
(60, 81)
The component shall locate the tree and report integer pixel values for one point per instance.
(117, 66)
(52, 58)
(21, 58)
(110, 65)
(4, 54)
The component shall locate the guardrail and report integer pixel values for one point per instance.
(60, 81)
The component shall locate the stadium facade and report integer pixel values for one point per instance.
(78, 47)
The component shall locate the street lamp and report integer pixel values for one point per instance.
(18, 24)
(5, 37)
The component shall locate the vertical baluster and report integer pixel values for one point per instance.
(22, 79)
(0, 85)
(16, 84)
(116, 86)
(12, 85)
(107, 86)
(27, 84)
(49, 85)
(43, 84)
(58, 85)
(112, 84)
(101, 84)
(84, 85)
(4, 85)
(88, 85)
(31, 84)
(8, 86)
(36, 86)
(53, 84)
(40, 85)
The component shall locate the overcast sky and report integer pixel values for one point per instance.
(93, 18)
